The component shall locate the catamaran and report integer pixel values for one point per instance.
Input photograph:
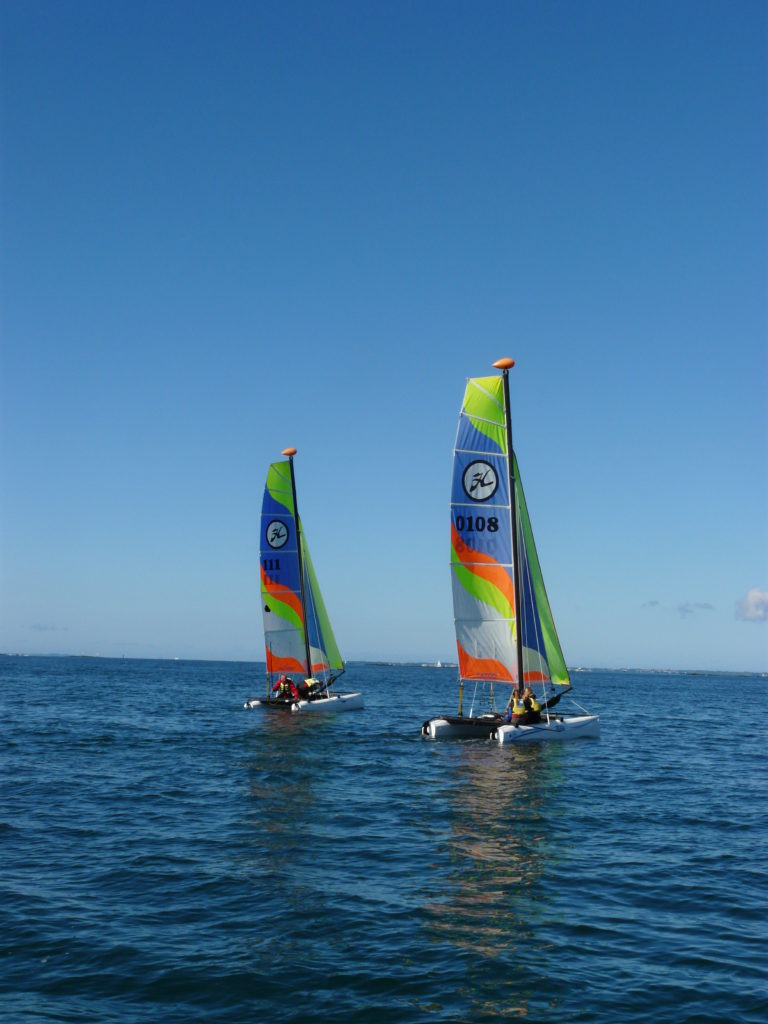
(505, 633)
(303, 659)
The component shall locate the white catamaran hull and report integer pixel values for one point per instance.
(578, 727)
(335, 702)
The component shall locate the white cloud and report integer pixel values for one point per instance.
(753, 607)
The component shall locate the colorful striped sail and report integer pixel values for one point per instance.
(286, 612)
(482, 562)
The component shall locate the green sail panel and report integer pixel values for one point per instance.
(542, 652)
(323, 647)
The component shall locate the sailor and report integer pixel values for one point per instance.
(285, 687)
(313, 687)
(523, 708)
(305, 688)
(532, 707)
(280, 685)
(516, 707)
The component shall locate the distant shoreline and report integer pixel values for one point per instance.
(401, 664)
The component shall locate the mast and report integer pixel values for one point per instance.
(290, 452)
(505, 365)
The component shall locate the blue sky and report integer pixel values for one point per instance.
(230, 228)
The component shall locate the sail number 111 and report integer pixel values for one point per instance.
(477, 524)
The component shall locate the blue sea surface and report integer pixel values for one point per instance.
(168, 856)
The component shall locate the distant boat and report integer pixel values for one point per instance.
(303, 659)
(505, 633)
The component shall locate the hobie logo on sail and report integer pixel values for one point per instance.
(277, 534)
(480, 481)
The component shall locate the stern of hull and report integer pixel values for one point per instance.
(455, 727)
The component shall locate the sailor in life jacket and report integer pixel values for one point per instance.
(523, 708)
(310, 688)
(285, 687)
(532, 707)
(515, 709)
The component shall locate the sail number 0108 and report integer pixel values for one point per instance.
(477, 524)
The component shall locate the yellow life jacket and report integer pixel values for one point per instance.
(535, 706)
(518, 707)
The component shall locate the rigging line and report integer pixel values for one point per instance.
(474, 695)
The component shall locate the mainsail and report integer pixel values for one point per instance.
(295, 618)
(483, 553)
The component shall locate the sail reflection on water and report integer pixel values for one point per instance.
(502, 851)
(281, 768)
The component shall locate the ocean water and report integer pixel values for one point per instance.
(167, 856)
